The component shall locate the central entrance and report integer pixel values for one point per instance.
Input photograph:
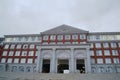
(63, 64)
(46, 66)
(80, 66)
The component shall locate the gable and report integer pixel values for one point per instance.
(64, 29)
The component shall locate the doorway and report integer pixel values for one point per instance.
(80, 65)
(63, 65)
(46, 66)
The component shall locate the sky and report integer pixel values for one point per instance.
(35, 16)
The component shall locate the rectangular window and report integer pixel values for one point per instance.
(114, 52)
(52, 37)
(52, 43)
(19, 46)
(91, 53)
(92, 61)
(45, 37)
(24, 53)
(116, 60)
(98, 52)
(105, 45)
(113, 45)
(59, 42)
(100, 61)
(60, 37)
(97, 37)
(98, 45)
(67, 43)
(31, 53)
(32, 46)
(106, 52)
(25, 46)
(82, 36)
(119, 44)
(30, 60)
(75, 42)
(12, 46)
(22, 60)
(3, 60)
(108, 60)
(11, 53)
(67, 37)
(4, 53)
(75, 37)
(16, 60)
(91, 45)
(6, 46)
(17, 53)
(9, 60)
(45, 43)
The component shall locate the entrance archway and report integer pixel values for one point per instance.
(80, 65)
(62, 65)
(46, 66)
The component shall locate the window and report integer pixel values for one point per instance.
(4, 53)
(26, 38)
(31, 53)
(91, 45)
(106, 52)
(17, 53)
(18, 46)
(108, 60)
(24, 53)
(59, 42)
(32, 46)
(16, 60)
(45, 37)
(52, 37)
(9, 60)
(99, 60)
(22, 60)
(11, 53)
(75, 42)
(25, 46)
(60, 37)
(92, 53)
(3, 60)
(105, 45)
(67, 43)
(116, 60)
(12, 46)
(6, 46)
(119, 44)
(75, 37)
(98, 45)
(82, 36)
(45, 43)
(114, 52)
(97, 37)
(33, 38)
(52, 43)
(113, 45)
(92, 61)
(98, 52)
(30, 60)
(67, 37)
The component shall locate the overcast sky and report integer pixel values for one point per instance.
(35, 16)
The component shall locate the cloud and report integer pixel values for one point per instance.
(34, 16)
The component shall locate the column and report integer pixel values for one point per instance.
(53, 62)
(88, 61)
(72, 62)
(38, 60)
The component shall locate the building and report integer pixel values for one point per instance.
(63, 49)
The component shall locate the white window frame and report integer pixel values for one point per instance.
(23, 60)
(4, 53)
(24, 53)
(16, 60)
(98, 45)
(105, 45)
(3, 60)
(52, 37)
(12, 46)
(91, 53)
(30, 60)
(25, 46)
(82, 36)
(31, 53)
(92, 61)
(108, 60)
(116, 60)
(11, 53)
(100, 60)
(113, 45)
(106, 52)
(6, 46)
(17, 53)
(60, 37)
(114, 52)
(32, 46)
(45, 37)
(75, 42)
(98, 52)
(67, 37)
(9, 60)
(75, 37)
(18, 46)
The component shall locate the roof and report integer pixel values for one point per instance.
(64, 29)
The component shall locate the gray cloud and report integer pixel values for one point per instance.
(34, 16)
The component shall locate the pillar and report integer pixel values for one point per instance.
(88, 61)
(72, 62)
(53, 62)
